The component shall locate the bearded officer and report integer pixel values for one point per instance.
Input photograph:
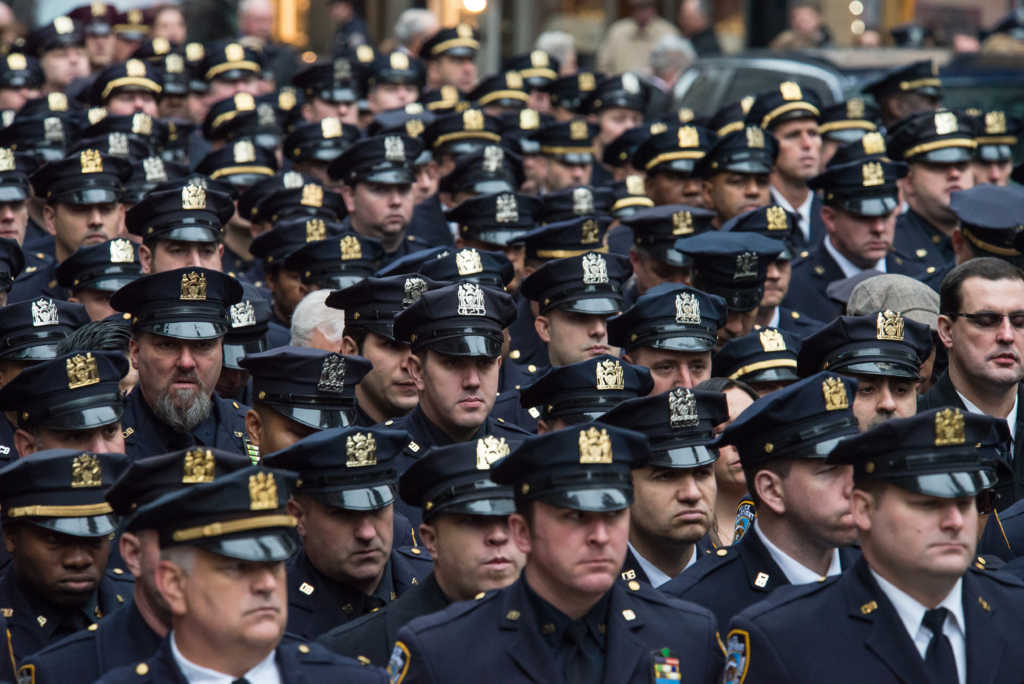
(573, 491)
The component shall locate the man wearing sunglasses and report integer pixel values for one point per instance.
(981, 324)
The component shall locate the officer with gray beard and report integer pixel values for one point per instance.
(179, 319)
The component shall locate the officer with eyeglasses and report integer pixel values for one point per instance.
(981, 324)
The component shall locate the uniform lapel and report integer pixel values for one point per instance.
(986, 644)
(631, 569)
(518, 626)
(886, 636)
(623, 650)
(763, 573)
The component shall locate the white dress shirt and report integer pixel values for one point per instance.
(912, 612)
(849, 268)
(794, 570)
(1011, 417)
(265, 671)
(803, 211)
(654, 574)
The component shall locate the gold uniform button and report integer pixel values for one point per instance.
(480, 595)
(415, 551)
(531, 368)
(118, 571)
(93, 627)
(634, 585)
(142, 669)
(722, 552)
(514, 354)
(303, 648)
(921, 253)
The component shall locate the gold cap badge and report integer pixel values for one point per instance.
(82, 371)
(595, 446)
(949, 427)
(193, 287)
(198, 466)
(835, 395)
(889, 326)
(610, 375)
(262, 492)
(361, 450)
(86, 471)
(489, 450)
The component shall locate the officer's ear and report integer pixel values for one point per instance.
(296, 510)
(24, 442)
(10, 537)
(146, 258)
(945, 330)
(131, 552)
(862, 504)
(349, 346)
(768, 485)
(348, 194)
(416, 370)
(428, 535)
(828, 217)
(519, 531)
(253, 426)
(961, 248)
(543, 326)
(50, 218)
(133, 351)
(171, 580)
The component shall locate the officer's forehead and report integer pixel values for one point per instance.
(1003, 294)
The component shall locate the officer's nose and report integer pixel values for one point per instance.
(77, 556)
(186, 359)
(684, 378)
(364, 529)
(886, 402)
(497, 533)
(599, 532)
(193, 258)
(687, 489)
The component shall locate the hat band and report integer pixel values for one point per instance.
(565, 149)
(445, 45)
(672, 156)
(503, 95)
(146, 83)
(245, 64)
(845, 125)
(565, 253)
(969, 143)
(920, 83)
(539, 72)
(634, 201)
(464, 135)
(787, 108)
(42, 511)
(996, 139)
(232, 170)
(729, 128)
(987, 246)
(219, 529)
(762, 365)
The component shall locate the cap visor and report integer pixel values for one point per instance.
(266, 546)
(319, 418)
(187, 330)
(233, 353)
(39, 352)
(107, 283)
(782, 374)
(402, 176)
(187, 234)
(467, 345)
(995, 153)
(750, 166)
(680, 342)
(871, 206)
(87, 418)
(896, 368)
(499, 238)
(595, 306)
(945, 155)
(483, 507)
(846, 135)
(598, 498)
(89, 196)
(91, 526)
(370, 498)
(12, 193)
(682, 457)
(948, 485)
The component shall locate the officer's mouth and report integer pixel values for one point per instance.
(78, 585)
(498, 563)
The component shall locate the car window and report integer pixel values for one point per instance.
(702, 96)
(753, 81)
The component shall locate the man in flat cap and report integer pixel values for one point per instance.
(179, 318)
(919, 606)
(344, 503)
(465, 529)
(133, 632)
(223, 544)
(57, 528)
(568, 616)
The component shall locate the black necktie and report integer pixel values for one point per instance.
(584, 664)
(938, 659)
(241, 680)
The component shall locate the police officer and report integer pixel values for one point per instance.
(344, 505)
(791, 115)
(500, 94)
(12, 262)
(669, 159)
(497, 222)
(736, 172)
(803, 508)
(617, 104)
(674, 492)
(652, 253)
(776, 223)
(465, 529)
(456, 333)
(882, 351)
(572, 492)
(21, 77)
(846, 122)
(335, 262)
(249, 334)
(937, 148)
(450, 55)
(70, 402)
(581, 392)
(15, 225)
(179, 318)
(60, 48)
(181, 226)
(229, 622)
(879, 620)
(985, 228)
(377, 173)
(311, 146)
(82, 195)
(997, 134)
(56, 526)
(904, 91)
(331, 89)
(671, 331)
(568, 148)
(95, 272)
(133, 632)
(734, 266)
(454, 137)
(860, 215)
(298, 391)
(388, 390)
(765, 359)
(128, 87)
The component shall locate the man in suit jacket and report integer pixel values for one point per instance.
(465, 528)
(916, 607)
(986, 354)
(802, 506)
(568, 618)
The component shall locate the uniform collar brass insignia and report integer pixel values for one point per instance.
(193, 287)
(949, 427)
(489, 450)
(682, 408)
(198, 466)
(610, 375)
(889, 326)
(262, 492)
(835, 395)
(361, 450)
(82, 371)
(86, 471)
(332, 374)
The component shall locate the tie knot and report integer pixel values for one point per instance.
(934, 619)
(576, 632)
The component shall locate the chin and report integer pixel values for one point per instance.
(595, 582)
